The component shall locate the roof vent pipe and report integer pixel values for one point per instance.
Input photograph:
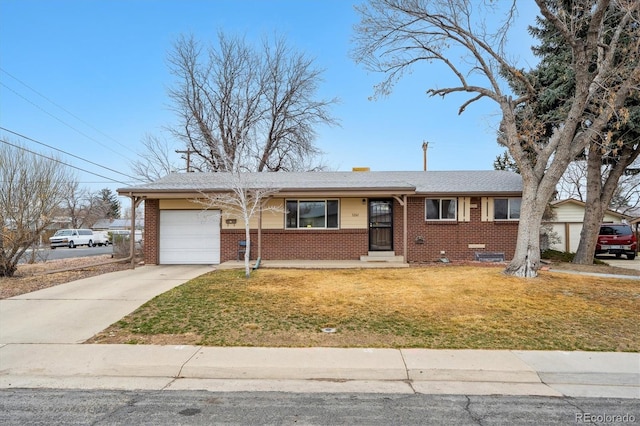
(425, 146)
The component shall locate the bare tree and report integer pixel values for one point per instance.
(253, 109)
(625, 197)
(393, 35)
(156, 160)
(573, 182)
(601, 188)
(84, 208)
(31, 187)
(78, 205)
(246, 200)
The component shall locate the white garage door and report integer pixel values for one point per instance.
(189, 237)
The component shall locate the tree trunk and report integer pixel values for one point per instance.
(595, 205)
(599, 197)
(526, 259)
(247, 251)
(7, 266)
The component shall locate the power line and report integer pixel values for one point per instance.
(63, 109)
(65, 152)
(64, 122)
(61, 162)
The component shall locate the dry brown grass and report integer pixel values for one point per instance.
(437, 307)
(29, 277)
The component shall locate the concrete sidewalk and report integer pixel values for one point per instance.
(40, 332)
(468, 372)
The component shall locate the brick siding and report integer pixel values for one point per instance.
(425, 240)
(151, 231)
(339, 244)
(453, 238)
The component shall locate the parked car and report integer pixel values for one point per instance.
(101, 238)
(618, 239)
(72, 238)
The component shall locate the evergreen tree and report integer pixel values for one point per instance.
(611, 150)
(601, 38)
(110, 203)
(505, 162)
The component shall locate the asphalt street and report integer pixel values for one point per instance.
(67, 253)
(104, 407)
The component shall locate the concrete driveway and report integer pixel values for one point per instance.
(622, 262)
(74, 312)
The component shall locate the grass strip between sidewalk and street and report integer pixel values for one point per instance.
(452, 307)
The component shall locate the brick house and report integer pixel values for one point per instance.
(413, 216)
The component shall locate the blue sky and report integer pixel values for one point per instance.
(91, 78)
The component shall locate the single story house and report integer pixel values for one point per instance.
(567, 223)
(411, 216)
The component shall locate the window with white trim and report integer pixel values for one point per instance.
(506, 208)
(440, 209)
(317, 214)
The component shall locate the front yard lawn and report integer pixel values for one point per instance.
(434, 307)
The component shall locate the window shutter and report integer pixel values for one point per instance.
(487, 209)
(464, 209)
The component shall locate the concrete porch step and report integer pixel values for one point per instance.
(382, 256)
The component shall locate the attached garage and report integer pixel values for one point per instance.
(189, 237)
(325, 215)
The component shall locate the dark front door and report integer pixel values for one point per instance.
(380, 225)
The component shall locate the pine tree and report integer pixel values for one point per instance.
(505, 162)
(110, 203)
(610, 151)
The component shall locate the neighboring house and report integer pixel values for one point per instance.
(120, 227)
(567, 223)
(102, 225)
(116, 224)
(408, 216)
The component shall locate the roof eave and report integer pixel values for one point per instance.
(326, 192)
(470, 194)
(296, 192)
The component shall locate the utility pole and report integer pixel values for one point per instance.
(188, 152)
(425, 145)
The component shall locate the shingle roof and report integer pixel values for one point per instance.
(420, 182)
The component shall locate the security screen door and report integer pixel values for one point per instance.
(380, 225)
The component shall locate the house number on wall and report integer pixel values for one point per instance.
(355, 214)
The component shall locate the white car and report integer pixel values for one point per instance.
(72, 238)
(101, 238)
